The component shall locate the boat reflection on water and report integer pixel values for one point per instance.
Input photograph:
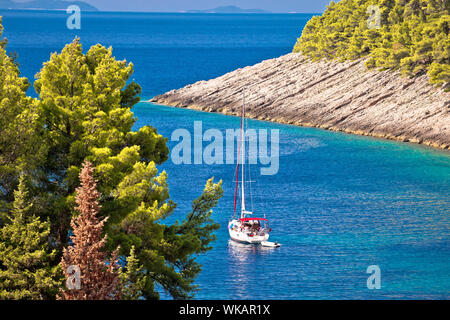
(241, 251)
(246, 259)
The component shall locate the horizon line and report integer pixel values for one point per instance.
(181, 11)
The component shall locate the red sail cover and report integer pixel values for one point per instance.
(250, 219)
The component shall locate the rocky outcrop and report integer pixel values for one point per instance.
(341, 96)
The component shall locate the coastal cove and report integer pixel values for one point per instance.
(343, 202)
(338, 202)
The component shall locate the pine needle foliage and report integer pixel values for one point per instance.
(27, 270)
(412, 36)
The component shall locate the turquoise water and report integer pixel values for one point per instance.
(338, 204)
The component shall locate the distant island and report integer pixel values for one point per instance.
(229, 9)
(45, 5)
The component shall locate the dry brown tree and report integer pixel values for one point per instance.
(90, 274)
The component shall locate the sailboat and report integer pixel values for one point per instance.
(247, 228)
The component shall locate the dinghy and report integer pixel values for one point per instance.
(270, 244)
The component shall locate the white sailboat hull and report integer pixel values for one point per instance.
(246, 236)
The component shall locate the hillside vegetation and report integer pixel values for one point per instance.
(409, 35)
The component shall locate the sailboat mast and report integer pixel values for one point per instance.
(243, 155)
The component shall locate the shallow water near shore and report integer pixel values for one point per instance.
(339, 202)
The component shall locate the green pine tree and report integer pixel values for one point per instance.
(133, 278)
(85, 100)
(27, 268)
(20, 145)
(83, 113)
(412, 36)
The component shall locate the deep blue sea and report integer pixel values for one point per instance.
(339, 202)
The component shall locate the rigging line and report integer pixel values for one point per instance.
(237, 168)
(243, 154)
(249, 169)
(258, 189)
(234, 178)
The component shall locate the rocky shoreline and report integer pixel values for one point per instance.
(339, 96)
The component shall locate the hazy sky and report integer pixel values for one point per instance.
(308, 6)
